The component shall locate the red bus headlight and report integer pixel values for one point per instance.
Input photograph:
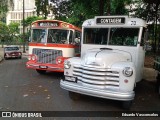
(59, 60)
(32, 57)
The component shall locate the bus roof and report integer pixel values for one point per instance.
(63, 24)
(114, 21)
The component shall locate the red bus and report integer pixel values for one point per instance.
(51, 42)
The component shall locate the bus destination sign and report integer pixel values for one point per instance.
(116, 20)
(48, 24)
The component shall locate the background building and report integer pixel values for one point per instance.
(15, 13)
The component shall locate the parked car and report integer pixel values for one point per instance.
(12, 52)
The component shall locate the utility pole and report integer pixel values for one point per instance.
(23, 29)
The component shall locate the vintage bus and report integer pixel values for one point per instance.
(51, 42)
(112, 59)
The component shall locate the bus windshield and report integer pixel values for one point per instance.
(52, 36)
(111, 36)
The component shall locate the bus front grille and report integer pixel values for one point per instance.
(97, 78)
(47, 55)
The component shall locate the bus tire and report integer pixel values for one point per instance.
(74, 96)
(126, 105)
(41, 71)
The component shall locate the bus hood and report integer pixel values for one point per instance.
(105, 58)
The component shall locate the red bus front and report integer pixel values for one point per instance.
(52, 42)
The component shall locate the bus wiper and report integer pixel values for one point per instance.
(106, 49)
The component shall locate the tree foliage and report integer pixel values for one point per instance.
(13, 29)
(42, 8)
(76, 11)
(149, 10)
(29, 20)
(4, 31)
(3, 9)
(9, 33)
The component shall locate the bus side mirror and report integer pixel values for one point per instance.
(144, 38)
(148, 47)
(29, 39)
(77, 40)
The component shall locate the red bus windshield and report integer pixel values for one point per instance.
(59, 36)
(54, 31)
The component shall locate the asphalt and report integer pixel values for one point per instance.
(149, 73)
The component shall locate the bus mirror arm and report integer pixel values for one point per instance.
(145, 39)
(146, 36)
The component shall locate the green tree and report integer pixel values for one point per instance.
(149, 10)
(3, 9)
(13, 31)
(76, 11)
(13, 28)
(28, 21)
(42, 8)
(4, 33)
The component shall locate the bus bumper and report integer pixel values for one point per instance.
(114, 95)
(47, 67)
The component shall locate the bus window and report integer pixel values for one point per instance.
(95, 36)
(39, 35)
(124, 36)
(57, 36)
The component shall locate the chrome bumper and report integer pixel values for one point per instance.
(35, 66)
(114, 95)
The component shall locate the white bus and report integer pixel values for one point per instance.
(112, 59)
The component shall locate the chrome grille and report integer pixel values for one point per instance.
(47, 55)
(99, 78)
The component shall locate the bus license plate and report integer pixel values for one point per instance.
(43, 67)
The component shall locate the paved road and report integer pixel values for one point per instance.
(25, 90)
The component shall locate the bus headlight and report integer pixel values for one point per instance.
(127, 71)
(67, 64)
(29, 57)
(33, 57)
(59, 60)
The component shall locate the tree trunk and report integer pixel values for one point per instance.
(155, 37)
(101, 7)
(108, 7)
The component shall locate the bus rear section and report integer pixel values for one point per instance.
(52, 42)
